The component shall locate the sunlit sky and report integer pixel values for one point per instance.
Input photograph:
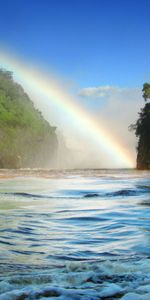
(92, 42)
(98, 49)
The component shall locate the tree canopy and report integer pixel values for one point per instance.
(146, 91)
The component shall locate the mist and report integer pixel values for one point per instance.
(115, 108)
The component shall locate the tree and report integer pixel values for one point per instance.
(146, 91)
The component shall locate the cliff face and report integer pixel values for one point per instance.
(142, 131)
(143, 155)
(26, 139)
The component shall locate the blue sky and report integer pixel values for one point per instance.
(89, 42)
(100, 49)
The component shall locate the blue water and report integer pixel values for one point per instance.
(75, 234)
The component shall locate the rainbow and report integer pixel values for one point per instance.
(52, 90)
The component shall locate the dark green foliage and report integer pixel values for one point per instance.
(142, 131)
(146, 91)
(26, 139)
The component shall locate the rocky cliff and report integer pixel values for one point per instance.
(142, 131)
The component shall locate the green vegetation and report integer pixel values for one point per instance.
(142, 131)
(26, 139)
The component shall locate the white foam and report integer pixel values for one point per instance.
(144, 288)
(86, 281)
(5, 287)
(111, 290)
(134, 296)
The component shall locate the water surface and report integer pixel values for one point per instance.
(75, 234)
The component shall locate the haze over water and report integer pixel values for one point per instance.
(80, 234)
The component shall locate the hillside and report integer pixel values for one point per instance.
(26, 139)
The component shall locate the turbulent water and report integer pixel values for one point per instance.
(75, 235)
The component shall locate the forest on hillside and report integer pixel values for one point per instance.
(26, 139)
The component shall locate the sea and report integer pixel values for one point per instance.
(74, 234)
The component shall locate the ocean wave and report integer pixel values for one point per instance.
(91, 195)
(75, 280)
(124, 192)
(26, 195)
(77, 194)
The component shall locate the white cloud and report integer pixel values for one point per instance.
(110, 92)
(98, 92)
